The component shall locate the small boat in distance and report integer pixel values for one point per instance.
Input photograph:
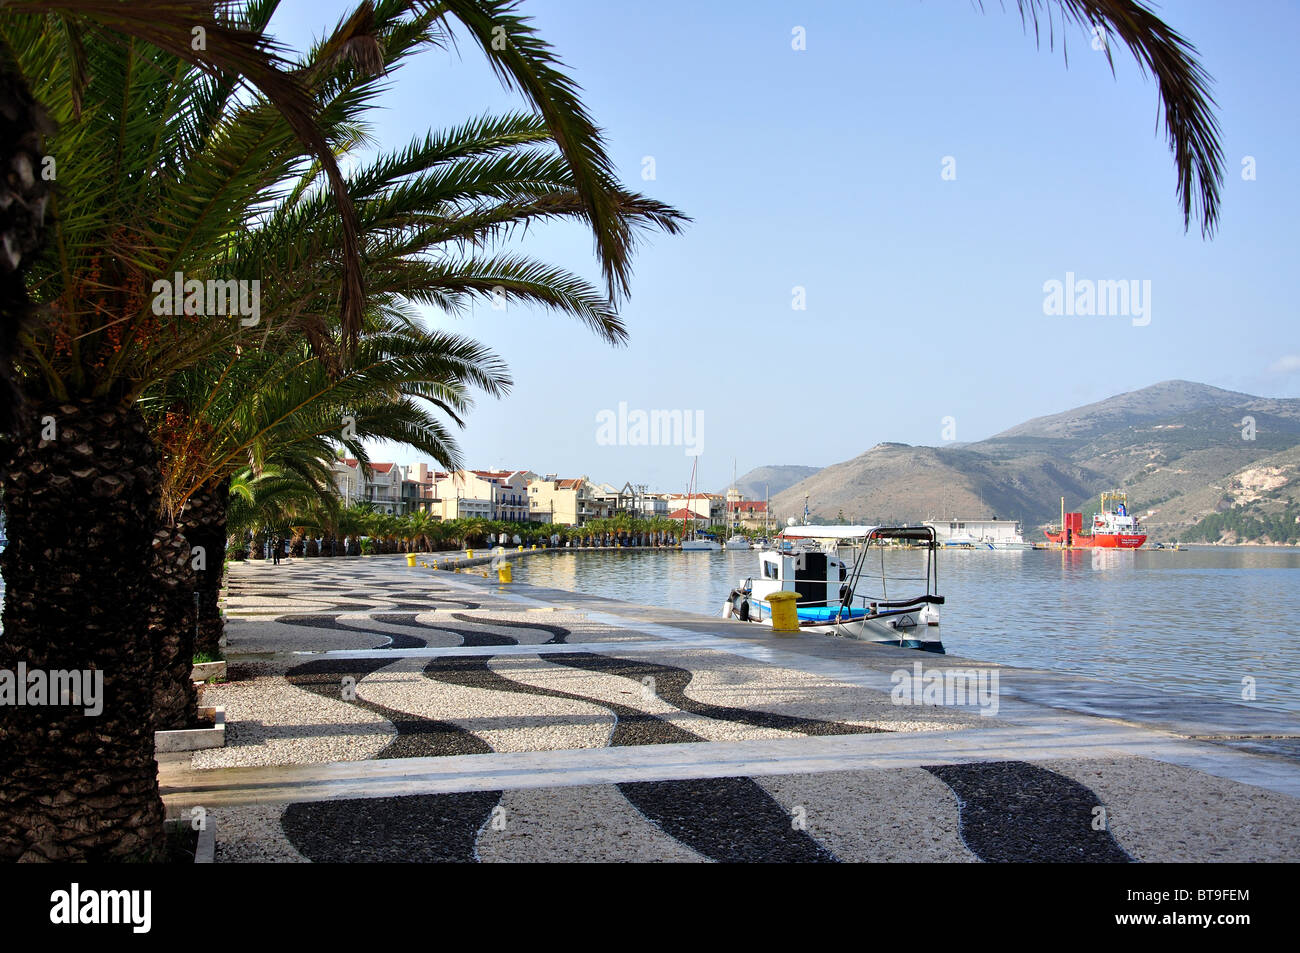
(848, 600)
(738, 542)
(1014, 545)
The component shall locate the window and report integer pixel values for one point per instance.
(769, 570)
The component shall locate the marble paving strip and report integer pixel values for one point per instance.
(775, 756)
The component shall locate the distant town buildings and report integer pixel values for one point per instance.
(524, 496)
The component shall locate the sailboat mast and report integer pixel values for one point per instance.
(689, 496)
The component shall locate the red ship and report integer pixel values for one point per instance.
(1112, 527)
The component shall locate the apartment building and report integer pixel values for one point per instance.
(569, 502)
(482, 494)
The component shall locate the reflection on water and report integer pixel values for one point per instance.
(1196, 621)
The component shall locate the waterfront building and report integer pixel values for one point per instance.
(481, 494)
(965, 530)
(382, 487)
(751, 514)
(711, 507)
(568, 502)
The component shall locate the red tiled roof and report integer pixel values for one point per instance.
(685, 514)
(753, 506)
(568, 484)
(376, 467)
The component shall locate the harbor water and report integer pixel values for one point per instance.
(1211, 621)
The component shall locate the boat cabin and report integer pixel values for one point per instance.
(816, 576)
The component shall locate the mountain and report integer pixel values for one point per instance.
(1181, 450)
(757, 483)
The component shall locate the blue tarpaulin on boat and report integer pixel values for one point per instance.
(825, 613)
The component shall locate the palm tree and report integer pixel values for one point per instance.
(163, 169)
(74, 442)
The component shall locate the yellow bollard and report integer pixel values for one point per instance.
(410, 560)
(504, 573)
(469, 553)
(521, 548)
(785, 616)
(435, 564)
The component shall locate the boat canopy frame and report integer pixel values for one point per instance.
(879, 535)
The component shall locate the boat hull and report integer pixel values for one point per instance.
(1102, 540)
(907, 629)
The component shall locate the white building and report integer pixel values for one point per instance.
(963, 530)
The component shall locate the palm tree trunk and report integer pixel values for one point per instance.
(81, 509)
(24, 191)
(205, 527)
(171, 628)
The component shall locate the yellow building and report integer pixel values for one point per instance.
(569, 502)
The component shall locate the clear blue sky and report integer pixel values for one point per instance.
(821, 168)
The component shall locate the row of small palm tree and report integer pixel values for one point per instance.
(284, 507)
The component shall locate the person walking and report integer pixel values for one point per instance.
(276, 546)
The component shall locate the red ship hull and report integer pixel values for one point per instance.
(1102, 540)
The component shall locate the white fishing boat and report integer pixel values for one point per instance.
(700, 544)
(1015, 544)
(848, 599)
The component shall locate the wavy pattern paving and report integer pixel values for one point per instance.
(670, 684)
(1012, 811)
(397, 640)
(420, 828)
(725, 819)
(730, 820)
(632, 727)
(416, 737)
(468, 636)
(558, 633)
